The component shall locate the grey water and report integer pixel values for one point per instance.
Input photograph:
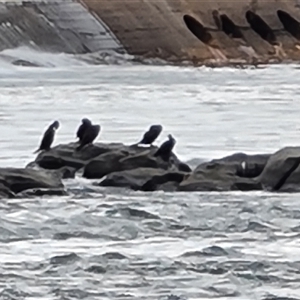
(120, 244)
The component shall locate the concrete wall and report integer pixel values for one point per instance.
(176, 30)
(53, 25)
(157, 29)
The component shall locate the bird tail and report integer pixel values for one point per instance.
(36, 151)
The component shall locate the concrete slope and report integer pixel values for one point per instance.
(53, 25)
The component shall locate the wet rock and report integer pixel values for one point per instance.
(64, 155)
(43, 192)
(133, 179)
(129, 159)
(16, 180)
(168, 181)
(235, 172)
(5, 192)
(101, 159)
(282, 171)
(24, 63)
(63, 173)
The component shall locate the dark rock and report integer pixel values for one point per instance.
(63, 173)
(65, 155)
(169, 181)
(17, 180)
(128, 159)
(24, 63)
(100, 159)
(43, 192)
(5, 192)
(67, 172)
(133, 179)
(227, 174)
(282, 171)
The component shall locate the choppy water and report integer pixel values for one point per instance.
(119, 244)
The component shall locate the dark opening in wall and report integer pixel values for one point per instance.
(197, 29)
(290, 24)
(261, 27)
(230, 28)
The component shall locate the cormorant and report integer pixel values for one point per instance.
(48, 137)
(89, 136)
(165, 150)
(85, 123)
(151, 135)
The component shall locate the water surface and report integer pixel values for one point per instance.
(119, 244)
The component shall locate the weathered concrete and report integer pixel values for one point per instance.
(159, 29)
(210, 32)
(53, 25)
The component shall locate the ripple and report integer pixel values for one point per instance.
(101, 243)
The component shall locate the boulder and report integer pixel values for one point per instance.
(134, 158)
(16, 180)
(169, 182)
(5, 192)
(101, 159)
(133, 179)
(235, 172)
(145, 179)
(282, 171)
(65, 155)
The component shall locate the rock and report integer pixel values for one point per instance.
(17, 180)
(129, 159)
(169, 181)
(99, 160)
(133, 179)
(145, 179)
(43, 192)
(282, 170)
(24, 63)
(63, 173)
(64, 155)
(5, 192)
(227, 174)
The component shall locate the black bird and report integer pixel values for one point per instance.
(48, 137)
(165, 150)
(89, 136)
(85, 123)
(151, 135)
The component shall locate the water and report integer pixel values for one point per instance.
(119, 244)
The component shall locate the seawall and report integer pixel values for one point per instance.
(205, 31)
(54, 25)
(209, 32)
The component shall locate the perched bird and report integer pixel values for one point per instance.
(151, 135)
(85, 124)
(48, 137)
(165, 150)
(89, 136)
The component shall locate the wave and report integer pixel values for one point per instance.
(30, 57)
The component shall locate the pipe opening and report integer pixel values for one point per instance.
(261, 27)
(230, 28)
(197, 29)
(290, 24)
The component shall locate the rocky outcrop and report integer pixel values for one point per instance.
(135, 167)
(282, 171)
(234, 172)
(17, 180)
(101, 159)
